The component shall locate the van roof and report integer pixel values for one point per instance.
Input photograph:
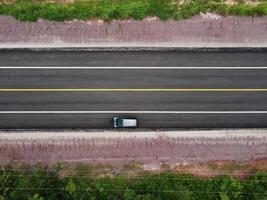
(129, 122)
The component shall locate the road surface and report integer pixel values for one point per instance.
(65, 89)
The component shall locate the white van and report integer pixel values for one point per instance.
(124, 122)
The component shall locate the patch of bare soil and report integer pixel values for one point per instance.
(218, 168)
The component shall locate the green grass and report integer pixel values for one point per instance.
(39, 183)
(30, 10)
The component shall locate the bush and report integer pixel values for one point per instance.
(83, 10)
(24, 10)
(241, 10)
(260, 10)
(245, 10)
(161, 9)
(56, 12)
(106, 9)
(139, 9)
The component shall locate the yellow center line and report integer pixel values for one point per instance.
(133, 89)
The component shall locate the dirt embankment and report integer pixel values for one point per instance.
(120, 150)
(207, 30)
(204, 153)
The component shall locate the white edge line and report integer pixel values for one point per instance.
(133, 112)
(92, 68)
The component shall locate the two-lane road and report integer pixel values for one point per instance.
(64, 89)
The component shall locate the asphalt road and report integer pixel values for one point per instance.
(64, 89)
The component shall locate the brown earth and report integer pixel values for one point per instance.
(148, 151)
(207, 30)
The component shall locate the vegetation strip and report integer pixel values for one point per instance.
(32, 10)
(39, 183)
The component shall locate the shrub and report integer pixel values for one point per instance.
(161, 9)
(188, 10)
(106, 9)
(139, 9)
(260, 10)
(84, 10)
(56, 12)
(24, 10)
(241, 10)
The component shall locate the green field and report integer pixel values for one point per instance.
(32, 10)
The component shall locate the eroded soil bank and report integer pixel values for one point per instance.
(237, 153)
(207, 30)
(151, 150)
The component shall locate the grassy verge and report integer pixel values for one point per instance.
(32, 10)
(39, 182)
